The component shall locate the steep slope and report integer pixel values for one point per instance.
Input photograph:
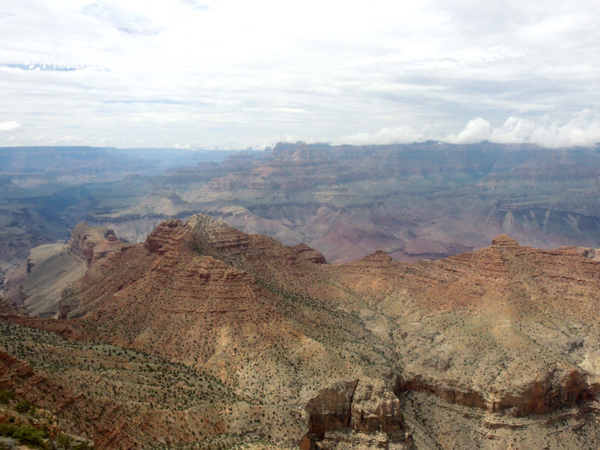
(118, 397)
(38, 282)
(506, 338)
(173, 298)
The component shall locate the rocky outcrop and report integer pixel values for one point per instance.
(218, 236)
(508, 330)
(505, 241)
(375, 408)
(93, 243)
(448, 391)
(310, 254)
(359, 413)
(377, 259)
(555, 391)
(331, 409)
(12, 368)
(543, 395)
(164, 236)
(37, 284)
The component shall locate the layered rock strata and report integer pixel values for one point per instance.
(508, 330)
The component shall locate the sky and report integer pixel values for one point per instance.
(232, 74)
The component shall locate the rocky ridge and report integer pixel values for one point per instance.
(409, 200)
(417, 201)
(507, 332)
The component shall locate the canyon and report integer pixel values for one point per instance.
(308, 296)
(414, 201)
(496, 348)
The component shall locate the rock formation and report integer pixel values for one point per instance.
(417, 201)
(359, 413)
(409, 200)
(93, 243)
(489, 349)
(37, 284)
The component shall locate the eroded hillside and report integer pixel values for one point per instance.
(493, 348)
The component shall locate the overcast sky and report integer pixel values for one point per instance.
(235, 74)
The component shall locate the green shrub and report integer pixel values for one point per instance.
(24, 406)
(6, 397)
(64, 441)
(25, 434)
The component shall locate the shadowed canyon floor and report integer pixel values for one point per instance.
(205, 335)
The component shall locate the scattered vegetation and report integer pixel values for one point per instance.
(24, 434)
(6, 397)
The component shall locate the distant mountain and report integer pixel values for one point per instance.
(418, 201)
(114, 162)
(46, 191)
(63, 161)
(178, 157)
(414, 201)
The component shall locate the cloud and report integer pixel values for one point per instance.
(122, 20)
(399, 135)
(9, 126)
(477, 130)
(583, 130)
(195, 4)
(187, 146)
(234, 73)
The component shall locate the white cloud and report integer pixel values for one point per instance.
(9, 126)
(122, 20)
(477, 130)
(195, 4)
(582, 130)
(399, 135)
(234, 73)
